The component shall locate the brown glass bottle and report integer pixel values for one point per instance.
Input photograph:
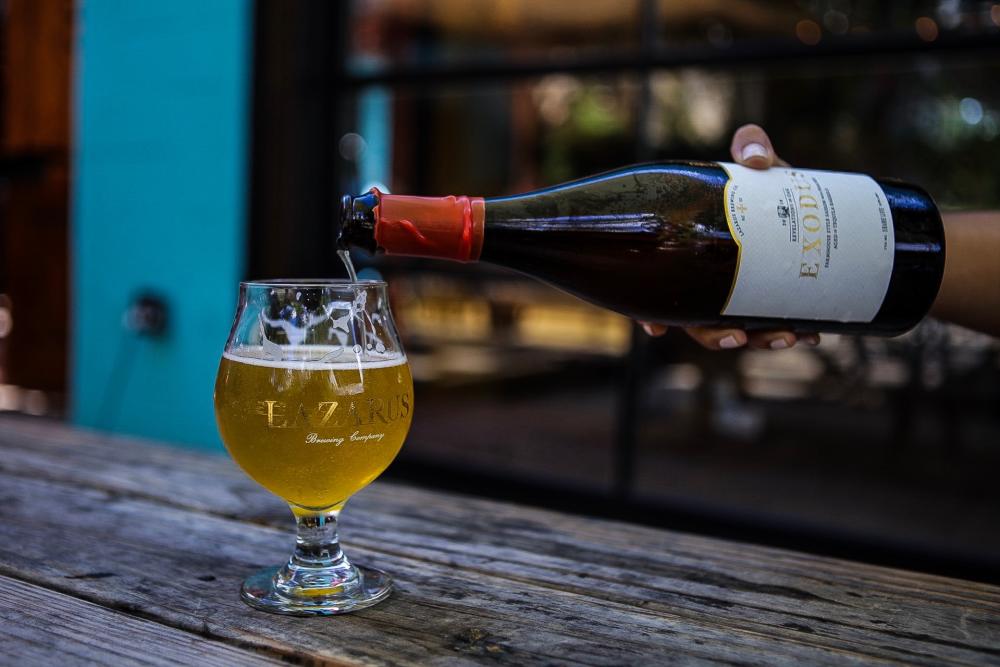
(652, 242)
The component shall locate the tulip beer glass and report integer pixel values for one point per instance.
(313, 400)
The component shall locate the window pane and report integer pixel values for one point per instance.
(436, 32)
(934, 121)
(492, 139)
(723, 24)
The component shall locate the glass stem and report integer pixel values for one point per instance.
(318, 566)
(316, 540)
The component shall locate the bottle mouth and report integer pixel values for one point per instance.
(357, 222)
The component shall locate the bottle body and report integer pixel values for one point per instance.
(675, 242)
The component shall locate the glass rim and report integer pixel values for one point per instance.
(312, 282)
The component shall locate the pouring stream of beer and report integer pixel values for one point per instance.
(359, 335)
(345, 257)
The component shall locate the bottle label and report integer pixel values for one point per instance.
(813, 245)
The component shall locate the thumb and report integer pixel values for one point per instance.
(751, 147)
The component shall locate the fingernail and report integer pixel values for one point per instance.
(729, 342)
(779, 344)
(811, 339)
(753, 150)
(648, 329)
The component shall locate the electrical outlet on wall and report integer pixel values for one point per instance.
(147, 315)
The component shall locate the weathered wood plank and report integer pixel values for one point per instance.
(681, 572)
(436, 607)
(151, 560)
(127, 465)
(213, 484)
(42, 627)
(837, 608)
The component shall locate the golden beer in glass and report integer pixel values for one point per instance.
(313, 400)
(310, 440)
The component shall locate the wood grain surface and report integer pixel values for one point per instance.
(154, 541)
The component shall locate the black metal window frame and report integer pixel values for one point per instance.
(303, 99)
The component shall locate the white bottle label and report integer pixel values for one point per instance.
(813, 245)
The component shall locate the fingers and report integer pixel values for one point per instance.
(809, 338)
(718, 339)
(712, 339)
(772, 340)
(653, 329)
(730, 339)
(779, 340)
(751, 147)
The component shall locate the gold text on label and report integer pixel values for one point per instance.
(334, 414)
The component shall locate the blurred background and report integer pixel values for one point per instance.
(152, 154)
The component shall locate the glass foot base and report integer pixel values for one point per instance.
(260, 590)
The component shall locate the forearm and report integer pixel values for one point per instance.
(970, 290)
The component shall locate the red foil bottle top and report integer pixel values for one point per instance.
(443, 227)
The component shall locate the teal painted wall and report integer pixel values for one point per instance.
(161, 123)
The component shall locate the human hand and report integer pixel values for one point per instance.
(750, 147)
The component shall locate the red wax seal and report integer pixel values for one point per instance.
(443, 227)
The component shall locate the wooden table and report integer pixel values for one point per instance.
(119, 552)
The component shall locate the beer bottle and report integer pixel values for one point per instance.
(693, 243)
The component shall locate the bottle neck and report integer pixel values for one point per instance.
(440, 227)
